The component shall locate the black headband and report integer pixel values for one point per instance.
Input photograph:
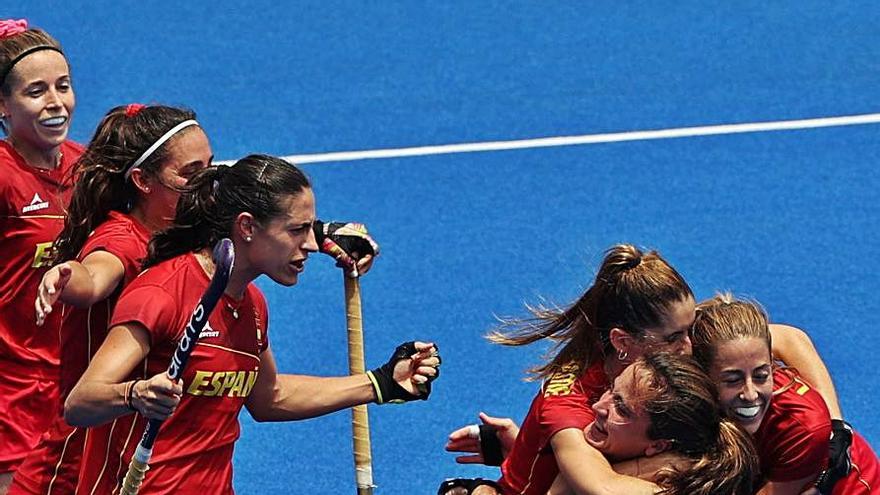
(6, 70)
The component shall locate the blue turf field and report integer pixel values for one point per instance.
(789, 218)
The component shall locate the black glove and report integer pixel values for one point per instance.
(490, 446)
(342, 240)
(839, 460)
(464, 486)
(387, 389)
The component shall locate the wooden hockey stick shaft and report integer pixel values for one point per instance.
(360, 424)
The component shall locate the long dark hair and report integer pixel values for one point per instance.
(682, 404)
(99, 175)
(214, 197)
(632, 291)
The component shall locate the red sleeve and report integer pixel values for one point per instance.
(799, 453)
(121, 243)
(152, 307)
(565, 404)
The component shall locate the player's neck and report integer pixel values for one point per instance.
(46, 159)
(153, 223)
(238, 282)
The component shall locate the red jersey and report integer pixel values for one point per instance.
(792, 441)
(32, 209)
(563, 402)
(53, 465)
(84, 329)
(193, 452)
(32, 203)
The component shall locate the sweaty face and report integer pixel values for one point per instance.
(744, 376)
(620, 430)
(673, 335)
(280, 248)
(186, 154)
(40, 103)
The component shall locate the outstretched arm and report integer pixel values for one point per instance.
(277, 397)
(79, 284)
(794, 347)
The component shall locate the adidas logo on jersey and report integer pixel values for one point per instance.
(36, 204)
(208, 331)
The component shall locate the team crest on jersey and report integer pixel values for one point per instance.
(36, 204)
(208, 331)
(562, 382)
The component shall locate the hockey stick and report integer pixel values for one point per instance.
(360, 424)
(224, 258)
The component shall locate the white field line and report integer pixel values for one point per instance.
(614, 137)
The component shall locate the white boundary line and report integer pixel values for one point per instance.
(614, 137)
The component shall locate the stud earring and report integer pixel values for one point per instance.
(248, 239)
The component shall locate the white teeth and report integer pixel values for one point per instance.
(748, 412)
(54, 121)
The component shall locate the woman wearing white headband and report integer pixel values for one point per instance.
(36, 104)
(127, 185)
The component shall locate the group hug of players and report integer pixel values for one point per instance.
(107, 250)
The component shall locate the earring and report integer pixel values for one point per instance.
(248, 239)
(621, 354)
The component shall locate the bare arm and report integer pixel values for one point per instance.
(290, 397)
(587, 472)
(794, 347)
(79, 284)
(100, 394)
(645, 468)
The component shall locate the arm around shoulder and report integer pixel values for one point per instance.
(794, 347)
(586, 470)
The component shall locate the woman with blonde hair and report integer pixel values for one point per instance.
(786, 417)
(36, 104)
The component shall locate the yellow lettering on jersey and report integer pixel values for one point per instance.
(200, 380)
(249, 385)
(562, 381)
(43, 255)
(223, 383)
(228, 381)
(216, 384)
(235, 391)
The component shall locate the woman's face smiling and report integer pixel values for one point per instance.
(41, 101)
(620, 430)
(744, 375)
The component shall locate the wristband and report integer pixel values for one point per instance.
(490, 446)
(129, 394)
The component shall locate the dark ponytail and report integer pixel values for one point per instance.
(215, 196)
(99, 175)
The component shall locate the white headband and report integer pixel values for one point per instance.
(159, 142)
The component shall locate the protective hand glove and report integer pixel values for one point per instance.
(418, 372)
(346, 242)
(839, 460)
